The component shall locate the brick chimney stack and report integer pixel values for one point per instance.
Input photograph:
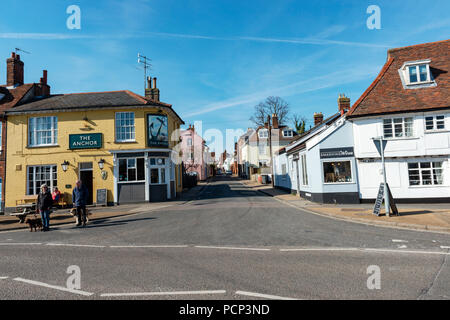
(42, 88)
(14, 70)
(343, 104)
(152, 91)
(318, 118)
(275, 124)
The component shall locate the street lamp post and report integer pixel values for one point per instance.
(270, 151)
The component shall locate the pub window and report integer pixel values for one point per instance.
(425, 173)
(125, 130)
(434, 123)
(283, 169)
(39, 175)
(398, 127)
(42, 131)
(131, 170)
(337, 172)
(154, 176)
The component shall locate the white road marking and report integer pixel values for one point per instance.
(406, 251)
(233, 248)
(129, 294)
(397, 240)
(3, 278)
(151, 246)
(320, 249)
(46, 285)
(261, 295)
(445, 247)
(21, 244)
(74, 245)
(402, 247)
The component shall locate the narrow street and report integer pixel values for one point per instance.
(230, 243)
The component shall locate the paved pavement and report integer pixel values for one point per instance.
(230, 242)
(433, 217)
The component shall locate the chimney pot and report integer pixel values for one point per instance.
(343, 104)
(14, 70)
(275, 123)
(318, 118)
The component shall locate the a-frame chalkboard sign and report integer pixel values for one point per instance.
(380, 198)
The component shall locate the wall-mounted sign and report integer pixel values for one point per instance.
(157, 131)
(336, 153)
(85, 141)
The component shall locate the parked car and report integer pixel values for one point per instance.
(229, 173)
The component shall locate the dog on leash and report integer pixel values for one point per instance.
(73, 212)
(35, 223)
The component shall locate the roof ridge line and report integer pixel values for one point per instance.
(372, 86)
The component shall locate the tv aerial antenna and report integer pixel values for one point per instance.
(146, 62)
(20, 50)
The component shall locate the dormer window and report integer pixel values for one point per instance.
(264, 133)
(419, 74)
(288, 133)
(416, 74)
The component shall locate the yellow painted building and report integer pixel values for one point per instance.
(118, 143)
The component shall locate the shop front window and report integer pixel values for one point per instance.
(131, 170)
(337, 172)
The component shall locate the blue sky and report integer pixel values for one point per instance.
(215, 60)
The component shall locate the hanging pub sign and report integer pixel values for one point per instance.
(85, 141)
(337, 153)
(157, 131)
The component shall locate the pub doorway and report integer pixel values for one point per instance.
(87, 176)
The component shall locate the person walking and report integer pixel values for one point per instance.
(80, 195)
(44, 203)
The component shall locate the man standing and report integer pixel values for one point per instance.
(44, 203)
(80, 195)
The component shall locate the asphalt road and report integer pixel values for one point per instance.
(229, 243)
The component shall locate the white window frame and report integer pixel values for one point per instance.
(189, 142)
(130, 128)
(417, 67)
(435, 120)
(128, 167)
(304, 163)
(33, 131)
(393, 124)
(431, 168)
(263, 134)
(290, 135)
(53, 169)
(160, 168)
(338, 160)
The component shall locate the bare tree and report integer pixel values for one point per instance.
(267, 108)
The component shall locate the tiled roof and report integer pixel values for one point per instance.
(87, 100)
(13, 96)
(387, 93)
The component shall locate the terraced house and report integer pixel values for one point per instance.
(409, 105)
(13, 93)
(118, 143)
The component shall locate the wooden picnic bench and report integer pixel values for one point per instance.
(22, 210)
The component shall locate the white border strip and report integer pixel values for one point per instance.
(445, 247)
(264, 296)
(151, 246)
(42, 284)
(137, 294)
(20, 244)
(233, 248)
(319, 249)
(74, 245)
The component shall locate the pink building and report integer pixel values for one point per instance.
(195, 153)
